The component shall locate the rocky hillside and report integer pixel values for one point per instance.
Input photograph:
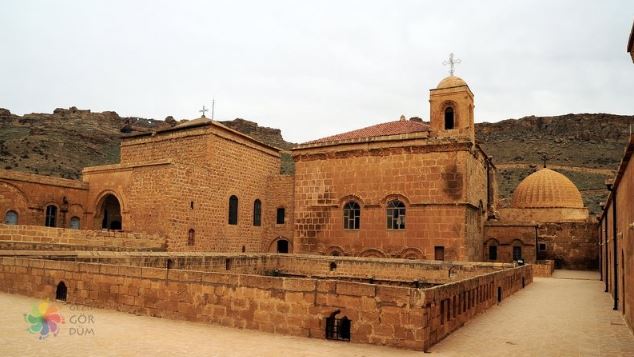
(62, 143)
(585, 147)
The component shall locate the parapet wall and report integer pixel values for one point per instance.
(42, 238)
(544, 268)
(308, 266)
(383, 315)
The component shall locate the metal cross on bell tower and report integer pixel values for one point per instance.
(203, 110)
(451, 62)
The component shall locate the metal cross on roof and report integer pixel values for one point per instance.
(452, 61)
(203, 110)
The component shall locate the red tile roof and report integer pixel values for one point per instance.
(384, 129)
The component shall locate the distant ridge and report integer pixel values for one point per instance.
(584, 147)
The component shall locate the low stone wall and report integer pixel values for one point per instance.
(383, 315)
(291, 265)
(544, 268)
(37, 237)
(450, 306)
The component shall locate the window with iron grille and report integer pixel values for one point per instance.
(395, 215)
(351, 215)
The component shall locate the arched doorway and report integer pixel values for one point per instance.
(282, 246)
(109, 213)
(61, 291)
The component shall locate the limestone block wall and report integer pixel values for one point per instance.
(572, 245)
(384, 315)
(623, 236)
(429, 179)
(507, 235)
(179, 181)
(72, 237)
(385, 269)
(448, 307)
(28, 195)
(243, 169)
(378, 270)
(544, 268)
(142, 190)
(180, 146)
(279, 193)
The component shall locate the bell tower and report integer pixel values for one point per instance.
(451, 106)
(451, 109)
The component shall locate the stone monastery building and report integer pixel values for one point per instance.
(402, 189)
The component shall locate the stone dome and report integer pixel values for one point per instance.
(451, 81)
(546, 189)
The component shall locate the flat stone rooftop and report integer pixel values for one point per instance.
(568, 315)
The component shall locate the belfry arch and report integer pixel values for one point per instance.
(108, 214)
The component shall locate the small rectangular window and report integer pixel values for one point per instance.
(51, 216)
(281, 212)
(542, 247)
(439, 253)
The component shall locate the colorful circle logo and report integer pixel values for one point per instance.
(44, 320)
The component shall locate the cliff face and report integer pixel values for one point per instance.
(584, 147)
(62, 143)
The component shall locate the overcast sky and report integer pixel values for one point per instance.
(314, 68)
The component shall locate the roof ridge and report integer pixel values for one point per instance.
(395, 127)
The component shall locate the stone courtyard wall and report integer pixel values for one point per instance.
(383, 315)
(37, 237)
(544, 268)
(572, 245)
(507, 235)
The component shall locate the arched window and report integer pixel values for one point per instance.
(61, 292)
(74, 223)
(11, 217)
(233, 210)
(449, 118)
(395, 215)
(51, 216)
(351, 215)
(191, 237)
(257, 213)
